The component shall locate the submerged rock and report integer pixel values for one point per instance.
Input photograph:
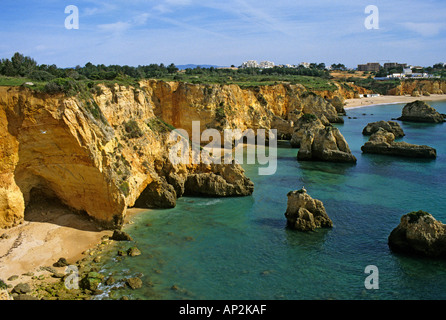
(383, 142)
(419, 233)
(420, 111)
(91, 281)
(133, 252)
(305, 213)
(119, 235)
(134, 283)
(390, 126)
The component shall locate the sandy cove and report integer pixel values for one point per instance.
(365, 102)
(50, 231)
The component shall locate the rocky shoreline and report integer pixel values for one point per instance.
(83, 279)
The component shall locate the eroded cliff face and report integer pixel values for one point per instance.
(97, 155)
(110, 151)
(229, 106)
(52, 145)
(419, 87)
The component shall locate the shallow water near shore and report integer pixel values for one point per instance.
(240, 248)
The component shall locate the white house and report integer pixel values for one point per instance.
(266, 64)
(250, 64)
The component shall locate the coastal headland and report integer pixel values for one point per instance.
(98, 156)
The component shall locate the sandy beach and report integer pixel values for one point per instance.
(50, 231)
(364, 102)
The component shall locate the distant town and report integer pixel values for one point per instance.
(387, 71)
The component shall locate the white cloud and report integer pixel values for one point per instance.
(425, 29)
(117, 27)
(141, 19)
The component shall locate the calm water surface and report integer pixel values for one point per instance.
(240, 248)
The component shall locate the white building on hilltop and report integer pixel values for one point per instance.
(266, 64)
(250, 64)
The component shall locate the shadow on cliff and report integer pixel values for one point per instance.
(45, 208)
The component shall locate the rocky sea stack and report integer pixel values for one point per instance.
(390, 126)
(419, 233)
(324, 143)
(420, 111)
(305, 213)
(383, 142)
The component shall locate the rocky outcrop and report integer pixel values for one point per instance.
(324, 143)
(4, 295)
(420, 111)
(98, 154)
(284, 127)
(307, 122)
(158, 194)
(419, 233)
(420, 87)
(305, 213)
(383, 142)
(103, 151)
(232, 107)
(58, 147)
(390, 126)
(224, 181)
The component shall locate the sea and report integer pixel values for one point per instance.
(241, 249)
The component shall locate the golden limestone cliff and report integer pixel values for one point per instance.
(229, 106)
(419, 87)
(106, 152)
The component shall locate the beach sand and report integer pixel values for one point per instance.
(364, 102)
(50, 231)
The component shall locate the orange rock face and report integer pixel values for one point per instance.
(99, 154)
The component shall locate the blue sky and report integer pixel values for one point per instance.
(224, 32)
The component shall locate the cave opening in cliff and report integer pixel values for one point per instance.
(45, 206)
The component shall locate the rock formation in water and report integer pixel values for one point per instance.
(305, 213)
(419, 233)
(324, 143)
(420, 111)
(390, 126)
(103, 151)
(383, 142)
(307, 122)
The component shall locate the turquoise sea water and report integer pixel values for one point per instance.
(240, 248)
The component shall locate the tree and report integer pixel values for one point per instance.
(172, 68)
(321, 66)
(7, 69)
(23, 65)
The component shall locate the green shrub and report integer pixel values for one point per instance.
(309, 117)
(132, 129)
(416, 215)
(66, 85)
(52, 88)
(40, 75)
(220, 113)
(125, 188)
